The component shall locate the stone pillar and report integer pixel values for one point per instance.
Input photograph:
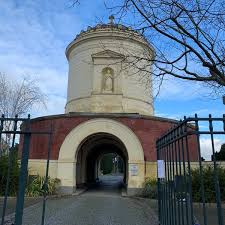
(136, 177)
(68, 183)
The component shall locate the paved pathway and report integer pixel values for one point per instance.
(102, 205)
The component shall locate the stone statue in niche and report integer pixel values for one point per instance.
(107, 80)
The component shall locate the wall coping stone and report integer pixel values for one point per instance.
(105, 115)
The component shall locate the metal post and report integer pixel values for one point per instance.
(176, 149)
(1, 129)
(23, 175)
(189, 170)
(10, 161)
(174, 194)
(46, 178)
(158, 185)
(201, 171)
(179, 143)
(216, 180)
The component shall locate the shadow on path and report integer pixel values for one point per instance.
(107, 185)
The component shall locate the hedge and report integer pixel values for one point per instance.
(208, 176)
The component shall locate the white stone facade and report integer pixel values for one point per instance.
(101, 76)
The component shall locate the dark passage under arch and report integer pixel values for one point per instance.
(90, 153)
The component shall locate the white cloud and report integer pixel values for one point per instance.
(56, 106)
(33, 38)
(206, 146)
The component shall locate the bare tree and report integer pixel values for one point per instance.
(16, 98)
(188, 36)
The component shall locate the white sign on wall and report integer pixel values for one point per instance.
(161, 168)
(133, 169)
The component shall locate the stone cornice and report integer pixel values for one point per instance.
(106, 32)
(105, 115)
(105, 94)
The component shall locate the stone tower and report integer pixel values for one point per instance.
(103, 71)
(112, 99)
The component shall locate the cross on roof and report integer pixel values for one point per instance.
(111, 18)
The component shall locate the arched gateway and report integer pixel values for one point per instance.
(99, 132)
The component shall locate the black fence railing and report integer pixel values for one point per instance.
(191, 173)
(11, 130)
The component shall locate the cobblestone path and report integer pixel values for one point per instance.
(100, 206)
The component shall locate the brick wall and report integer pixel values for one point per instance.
(148, 130)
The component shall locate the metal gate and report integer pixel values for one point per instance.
(13, 130)
(184, 179)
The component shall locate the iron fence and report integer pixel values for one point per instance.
(13, 130)
(191, 184)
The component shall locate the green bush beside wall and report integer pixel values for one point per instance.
(150, 188)
(208, 176)
(34, 183)
(35, 186)
(14, 174)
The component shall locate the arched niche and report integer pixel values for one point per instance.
(107, 80)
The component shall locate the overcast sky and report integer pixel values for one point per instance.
(33, 38)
